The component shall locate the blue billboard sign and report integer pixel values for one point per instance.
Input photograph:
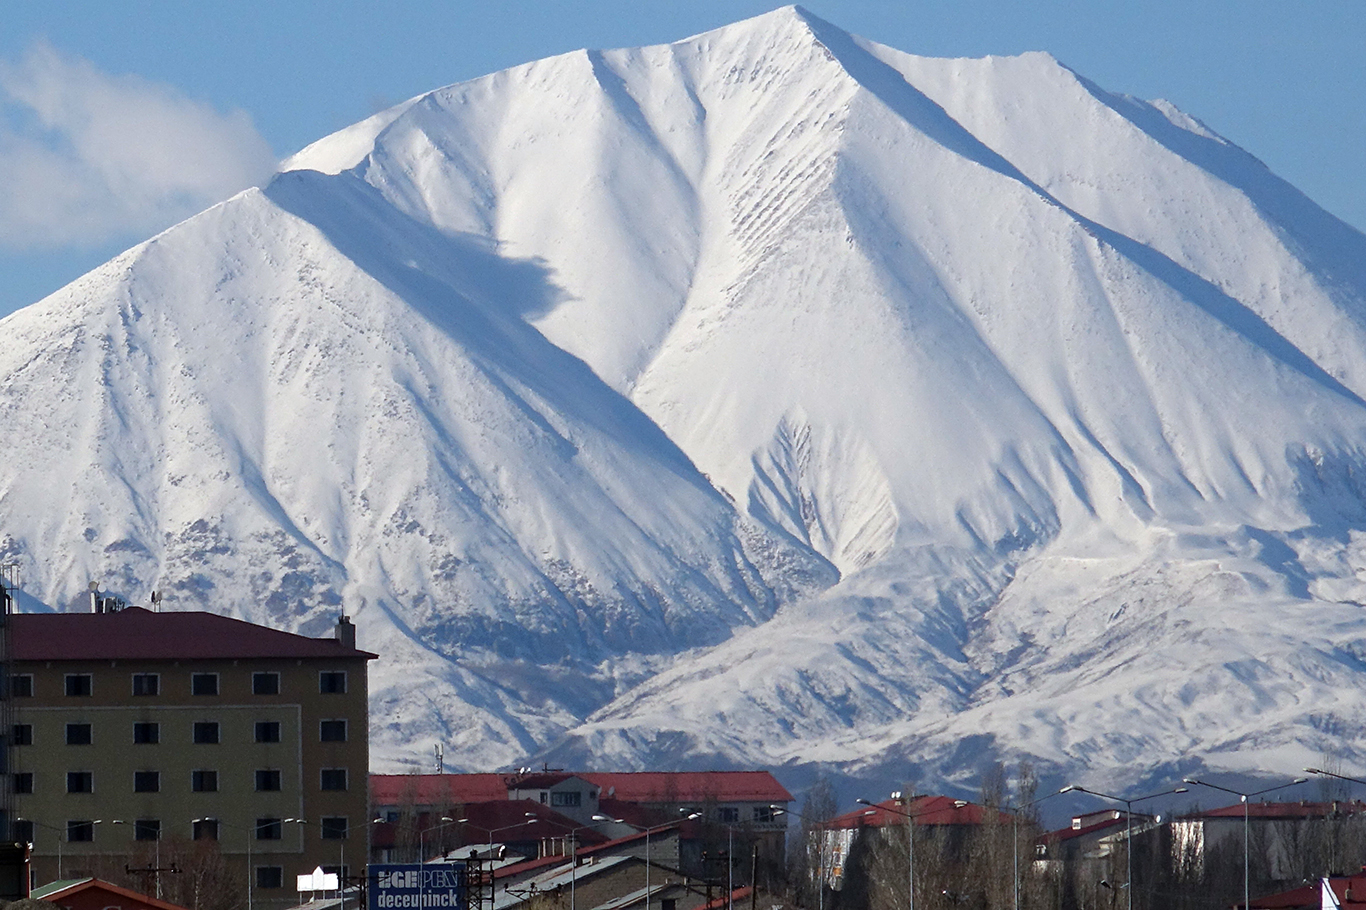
(417, 886)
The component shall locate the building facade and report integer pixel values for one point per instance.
(132, 728)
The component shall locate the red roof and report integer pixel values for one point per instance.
(1299, 809)
(634, 787)
(1063, 834)
(111, 892)
(436, 789)
(1310, 896)
(137, 634)
(689, 786)
(927, 810)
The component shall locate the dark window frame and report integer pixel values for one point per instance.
(147, 829)
(146, 781)
(22, 782)
(333, 827)
(199, 777)
(268, 780)
(22, 735)
(83, 781)
(327, 682)
(332, 776)
(21, 685)
(267, 731)
(204, 829)
(80, 831)
(259, 677)
(79, 685)
(80, 734)
(324, 728)
(146, 733)
(200, 681)
(201, 736)
(270, 877)
(270, 829)
(141, 689)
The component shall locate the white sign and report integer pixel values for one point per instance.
(318, 880)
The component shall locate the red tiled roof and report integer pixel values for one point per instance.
(1063, 834)
(1309, 896)
(111, 890)
(927, 810)
(436, 789)
(635, 787)
(689, 786)
(738, 896)
(1299, 809)
(137, 634)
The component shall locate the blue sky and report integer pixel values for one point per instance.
(118, 119)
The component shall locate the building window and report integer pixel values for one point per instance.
(570, 799)
(206, 731)
(23, 782)
(332, 778)
(270, 876)
(23, 734)
(80, 832)
(204, 781)
(146, 781)
(80, 782)
(23, 830)
(267, 731)
(668, 903)
(332, 682)
(332, 731)
(147, 829)
(728, 815)
(763, 814)
(146, 684)
(205, 829)
(78, 734)
(267, 780)
(333, 828)
(269, 829)
(203, 683)
(78, 685)
(146, 733)
(21, 685)
(265, 684)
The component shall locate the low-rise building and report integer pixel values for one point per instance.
(132, 727)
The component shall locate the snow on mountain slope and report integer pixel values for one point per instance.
(582, 383)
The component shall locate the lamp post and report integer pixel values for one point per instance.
(648, 832)
(250, 832)
(910, 838)
(1245, 797)
(574, 847)
(1128, 826)
(489, 832)
(341, 858)
(1015, 837)
(61, 832)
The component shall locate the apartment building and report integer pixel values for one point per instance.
(133, 727)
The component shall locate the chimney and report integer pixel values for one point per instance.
(345, 633)
(95, 605)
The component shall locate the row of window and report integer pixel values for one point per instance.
(201, 781)
(203, 732)
(79, 685)
(82, 831)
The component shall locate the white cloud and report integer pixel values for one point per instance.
(86, 156)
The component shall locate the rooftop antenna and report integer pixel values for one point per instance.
(156, 601)
(440, 759)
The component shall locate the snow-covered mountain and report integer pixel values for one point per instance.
(772, 397)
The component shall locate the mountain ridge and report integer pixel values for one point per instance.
(770, 397)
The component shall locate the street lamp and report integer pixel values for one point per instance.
(341, 858)
(1245, 798)
(61, 832)
(250, 831)
(1128, 826)
(1015, 838)
(574, 846)
(820, 855)
(648, 831)
(489, 832)
(910, 838)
